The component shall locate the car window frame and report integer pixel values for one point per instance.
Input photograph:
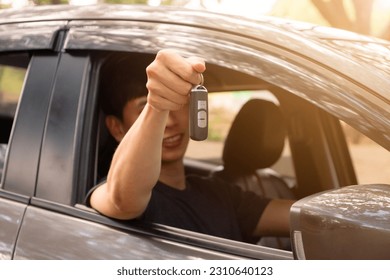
(32, 36)
(130, 48)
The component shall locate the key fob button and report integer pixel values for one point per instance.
(202, 104)
(202, 119)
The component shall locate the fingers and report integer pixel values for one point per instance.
(185, 68)
(170, 79)
(197, 63)
(164, 98)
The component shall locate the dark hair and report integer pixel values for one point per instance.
(122, 78)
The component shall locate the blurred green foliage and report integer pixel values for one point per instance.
(50, 2)
(11, 82)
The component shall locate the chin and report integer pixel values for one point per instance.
(170, 157)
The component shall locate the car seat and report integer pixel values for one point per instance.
(254, 143)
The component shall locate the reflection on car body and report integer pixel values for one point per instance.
(53, 139)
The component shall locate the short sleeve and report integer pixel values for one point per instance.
(249, 207)
(87, 200)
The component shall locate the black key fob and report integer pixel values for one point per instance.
(199, 113)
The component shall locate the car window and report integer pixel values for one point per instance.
(309, 144)
(370, 160)
(224, 105)
(12, 74)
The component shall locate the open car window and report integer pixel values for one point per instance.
(312, 159)
(224, 106)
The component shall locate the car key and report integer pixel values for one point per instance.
(199, 112)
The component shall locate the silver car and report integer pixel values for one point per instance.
(328, 85)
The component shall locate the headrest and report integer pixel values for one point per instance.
(256, 137)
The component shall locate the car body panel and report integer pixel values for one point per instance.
(73, 233)
(65, 237)
(10, 220)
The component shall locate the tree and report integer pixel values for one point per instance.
(336, 13)
(50, 2)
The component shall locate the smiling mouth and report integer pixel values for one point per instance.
(172, 141)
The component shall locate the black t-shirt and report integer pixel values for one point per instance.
(206, 205)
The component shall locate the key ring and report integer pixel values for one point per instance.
(201, 79)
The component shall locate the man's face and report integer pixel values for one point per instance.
(176, 134)
(131, 111)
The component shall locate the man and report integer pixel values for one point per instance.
(147, 179)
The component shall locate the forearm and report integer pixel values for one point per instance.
(275, 220)
(135, 167)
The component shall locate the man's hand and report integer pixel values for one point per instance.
(170, 79)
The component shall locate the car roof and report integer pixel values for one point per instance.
(360, 47)
(178, 15)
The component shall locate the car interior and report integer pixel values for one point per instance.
(254, 143)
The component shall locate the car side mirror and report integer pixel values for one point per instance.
(348, 223)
